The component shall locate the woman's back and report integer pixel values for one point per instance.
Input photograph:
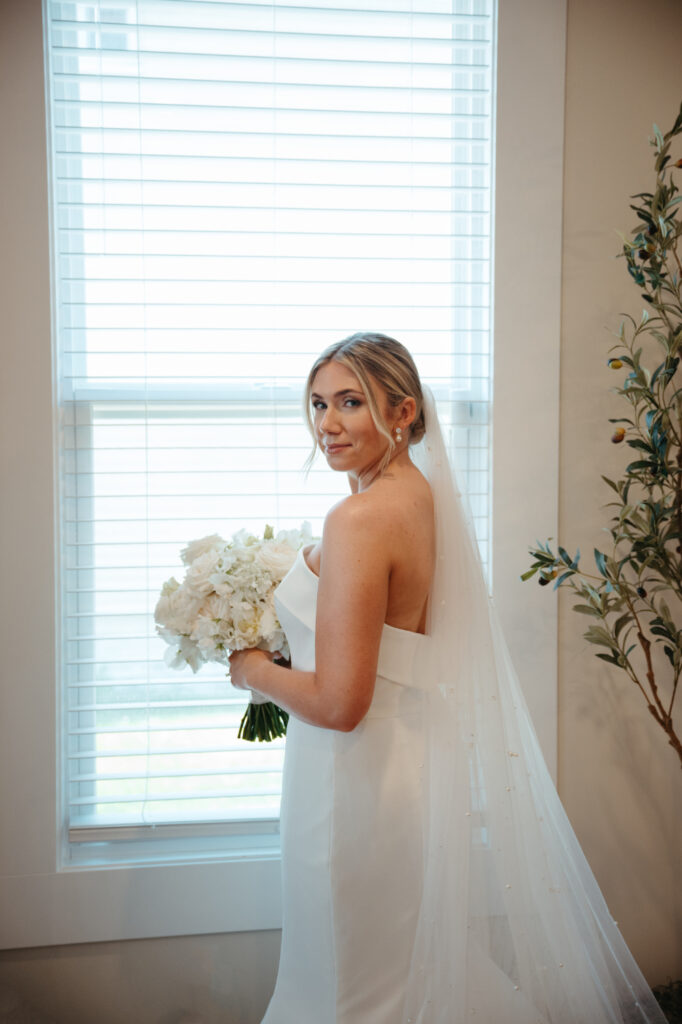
(397, 509)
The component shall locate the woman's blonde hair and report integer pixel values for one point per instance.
(374, 358)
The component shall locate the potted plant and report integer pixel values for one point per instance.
(633, 599)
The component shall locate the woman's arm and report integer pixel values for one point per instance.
(351, 609)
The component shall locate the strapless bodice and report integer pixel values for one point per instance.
(400, 650)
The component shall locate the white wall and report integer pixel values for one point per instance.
(620, 782)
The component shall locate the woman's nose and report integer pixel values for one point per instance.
(329, 421)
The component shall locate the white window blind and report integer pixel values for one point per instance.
(235, 185)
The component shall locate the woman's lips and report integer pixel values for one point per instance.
(330, 449)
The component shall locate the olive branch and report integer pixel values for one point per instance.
(635, 595)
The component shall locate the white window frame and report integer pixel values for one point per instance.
(41, 905)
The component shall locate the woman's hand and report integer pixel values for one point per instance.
(244, 666)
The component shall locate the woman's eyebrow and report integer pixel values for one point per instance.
(338, 394)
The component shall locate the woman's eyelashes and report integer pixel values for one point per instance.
(349, 403)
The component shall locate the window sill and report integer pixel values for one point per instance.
(130, 846)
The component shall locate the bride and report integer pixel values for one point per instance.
(430, 874)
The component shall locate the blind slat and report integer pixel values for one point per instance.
(175, 797)
(88, 754)
(167, 774)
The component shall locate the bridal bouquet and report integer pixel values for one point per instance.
(226, 603)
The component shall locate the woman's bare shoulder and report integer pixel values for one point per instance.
(382, 513)
(360, 514)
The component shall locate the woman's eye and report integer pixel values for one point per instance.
(317, 404)
(352, 402)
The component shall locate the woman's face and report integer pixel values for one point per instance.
(344, 428)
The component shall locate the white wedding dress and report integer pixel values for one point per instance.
(351, 838)
(430, 874)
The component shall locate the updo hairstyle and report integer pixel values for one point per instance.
(384, 361)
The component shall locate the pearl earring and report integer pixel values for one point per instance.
(398, 434)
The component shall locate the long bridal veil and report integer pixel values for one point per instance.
(513, 928)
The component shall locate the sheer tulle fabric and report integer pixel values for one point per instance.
(513, 927)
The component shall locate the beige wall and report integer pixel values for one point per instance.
(620, 783)
(198, 979)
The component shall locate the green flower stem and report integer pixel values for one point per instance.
(263, 722)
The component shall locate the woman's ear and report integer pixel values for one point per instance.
(406, 413)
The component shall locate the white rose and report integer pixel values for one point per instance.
(276, 557)
(177, 610)
(198, 577)
(200, 547)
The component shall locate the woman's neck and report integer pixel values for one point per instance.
(363, 480)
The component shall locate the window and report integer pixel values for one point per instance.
(236, 185)
(48, 900)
